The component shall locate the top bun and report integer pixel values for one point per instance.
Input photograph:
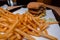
(35, 5)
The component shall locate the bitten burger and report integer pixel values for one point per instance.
(36, 8)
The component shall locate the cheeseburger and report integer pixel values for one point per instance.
(36, 8)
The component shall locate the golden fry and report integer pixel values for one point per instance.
(12, 37)
(17, 35)
(45, 31)
(10, 34)
(49, 37)
(53, 22)
(12, 27)
(24, 34)
(34, 26)
(46, 25)
(33, 33)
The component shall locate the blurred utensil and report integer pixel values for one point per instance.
(17, 7)
(10, 2)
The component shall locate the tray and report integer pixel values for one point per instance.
(53, 29)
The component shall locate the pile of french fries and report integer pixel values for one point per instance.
(19, 27)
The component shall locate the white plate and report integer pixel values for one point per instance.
(53, 30)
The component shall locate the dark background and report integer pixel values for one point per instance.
(56, 2)
(25, 2)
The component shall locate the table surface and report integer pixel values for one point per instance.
(57, 9)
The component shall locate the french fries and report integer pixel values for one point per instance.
(24, 34)
(18, 27)
(49, 36)
(18, 36)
